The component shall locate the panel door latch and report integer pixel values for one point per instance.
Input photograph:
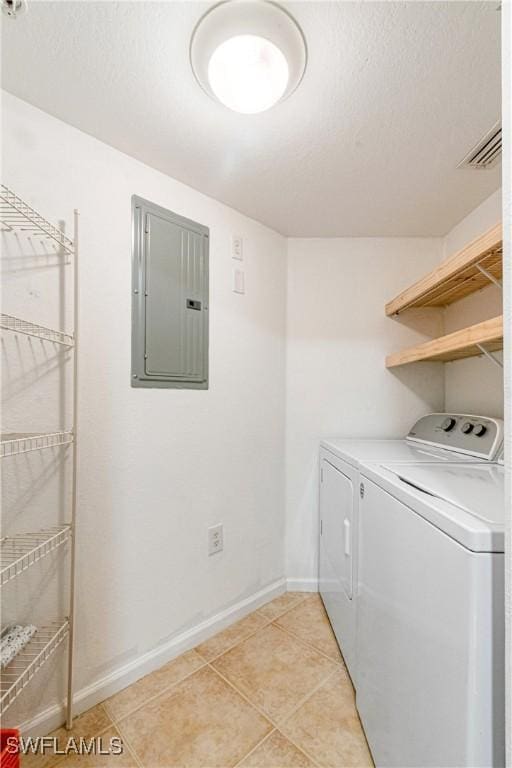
(193, 304)
(361, 490)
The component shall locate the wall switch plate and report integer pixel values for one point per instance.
(215, 539)
(237, 248)
(238, 281)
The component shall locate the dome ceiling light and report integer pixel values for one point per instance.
(248, 54)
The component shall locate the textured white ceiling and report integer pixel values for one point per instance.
(394, 95)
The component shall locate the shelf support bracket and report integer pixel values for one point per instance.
(490, 356)
(490, 277)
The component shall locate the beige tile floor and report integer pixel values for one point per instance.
(271, 691)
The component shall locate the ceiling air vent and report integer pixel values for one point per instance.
(487, 152)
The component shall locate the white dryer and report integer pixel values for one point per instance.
(434, 438)
(430, 632)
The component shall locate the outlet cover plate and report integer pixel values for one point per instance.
(215, 539)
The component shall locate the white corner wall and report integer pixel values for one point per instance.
(474, 385)
(157, 467)
(298, 357)
(337, 383)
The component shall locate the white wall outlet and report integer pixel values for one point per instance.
(215, 539)
(237, 248)
(238, 281)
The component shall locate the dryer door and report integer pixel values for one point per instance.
(336, 539)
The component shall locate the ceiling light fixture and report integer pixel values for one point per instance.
(248, 54)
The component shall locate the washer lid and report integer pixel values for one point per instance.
(478, 489)
(465, 501)
(355, 450)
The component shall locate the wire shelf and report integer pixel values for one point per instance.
(18, 674)
(14, 443)
(16, 215)
(20, 552)
(17, 553)
(15, 324)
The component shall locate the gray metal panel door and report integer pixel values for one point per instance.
(170, 334)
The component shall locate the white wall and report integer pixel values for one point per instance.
(157, 466)
(474, 385)
(337, 383)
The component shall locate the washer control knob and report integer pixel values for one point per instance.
(480, 430)
(467, 427)
(448, 424)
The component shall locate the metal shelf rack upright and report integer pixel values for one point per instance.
(18, 553)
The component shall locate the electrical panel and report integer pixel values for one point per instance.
(169, 299)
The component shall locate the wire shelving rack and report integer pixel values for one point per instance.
(14, 443)
(17, 553)
(15, 324)
(18, 674)
(16, 215)
(20, 552)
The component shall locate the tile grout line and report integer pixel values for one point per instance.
(338, 667)
(306, 643)
(285, 610)
(306, 753)
(113, 722)
(68, 734)
(290, 607)
(132, 749)
(124, 740)
(302, 750)
(262, 741)
(304, 701)
(118, 728)
(275, 722)
(307, 697)
(266, 623)
(244, 696)
(274, 727)
(117, 723)
(97, 735)
(313, 760)
(268, 736)
(116, 720)
(241, 640)
(206, 662)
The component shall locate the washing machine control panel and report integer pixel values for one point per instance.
(478, 436)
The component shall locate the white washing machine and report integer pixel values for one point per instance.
(430, 628)
(434, 438)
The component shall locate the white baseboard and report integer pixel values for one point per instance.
(302, 585)
(119, 678)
